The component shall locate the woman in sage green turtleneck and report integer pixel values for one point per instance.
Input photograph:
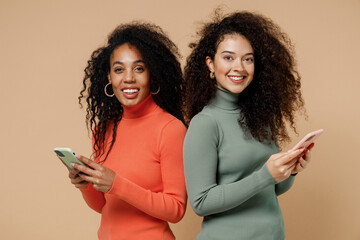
(241, 87)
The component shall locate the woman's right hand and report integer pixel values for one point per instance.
(281, 165)
(76, 179)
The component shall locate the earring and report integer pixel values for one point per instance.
(154, 93)
(212, 75)
(106, 91)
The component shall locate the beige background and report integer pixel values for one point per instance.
(44, 46)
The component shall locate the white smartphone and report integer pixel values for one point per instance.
(67, 156)
(308, 139)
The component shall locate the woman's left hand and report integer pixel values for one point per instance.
(303, 161)
(101, 177)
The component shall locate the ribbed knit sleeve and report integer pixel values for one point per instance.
(284, 186)
(206, 196)
(169, 204)
(94, 198)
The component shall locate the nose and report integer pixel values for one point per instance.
(129, 77)
(238, 65)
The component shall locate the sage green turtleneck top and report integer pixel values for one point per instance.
(226, 176)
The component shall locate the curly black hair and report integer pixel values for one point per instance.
(271, 99)
(161, 56)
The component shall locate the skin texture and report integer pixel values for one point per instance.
(101, 177)
(282, 164)
(234, 58)
(129, 72)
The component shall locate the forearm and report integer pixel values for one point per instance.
(163, 205)
(214, 198)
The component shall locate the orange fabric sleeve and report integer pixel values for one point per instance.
(170, 204)
(93, 198)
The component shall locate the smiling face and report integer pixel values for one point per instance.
(129, 76)
(233, 63)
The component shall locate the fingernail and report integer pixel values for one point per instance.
(72, 164)
(77, 156)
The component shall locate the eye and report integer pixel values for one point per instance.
(118, 70)
(139, 69)
(228, 58)
(249, 59)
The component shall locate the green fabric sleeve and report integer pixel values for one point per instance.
(206, 196)
(284, 186)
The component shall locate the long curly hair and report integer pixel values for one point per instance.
(271, 99)
(160, 55)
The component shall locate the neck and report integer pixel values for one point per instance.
(225, 99)
(144, 108)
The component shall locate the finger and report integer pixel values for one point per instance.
(303, 163)
(278, 155)
(288, 157)
(84, 169)
(89, 179)
(310, 146)
(89, 162)
(297, 168)
(307, 156)
(82, 185)
(77, 180)
(73, 173)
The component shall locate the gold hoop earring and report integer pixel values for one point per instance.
(212, 75)
(106, 91)
(154, 93)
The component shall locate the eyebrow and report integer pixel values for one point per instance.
(137, 61)
(230, 52)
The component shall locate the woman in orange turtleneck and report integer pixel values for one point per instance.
(132, 88)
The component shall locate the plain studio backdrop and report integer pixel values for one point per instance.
(44, 47)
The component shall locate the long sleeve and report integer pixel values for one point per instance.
(284, 186)
(201, 162)
(94, 198)
(170, 203)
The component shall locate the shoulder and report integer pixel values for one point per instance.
(203, 133)
(206, 116)
(168, 122)
(203, 122)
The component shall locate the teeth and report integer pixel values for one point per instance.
(238, 78)
(130, 91)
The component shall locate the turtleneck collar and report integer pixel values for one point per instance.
(225, 99)
(146, 107)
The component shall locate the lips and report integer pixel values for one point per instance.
(130, 92)
(237, 78)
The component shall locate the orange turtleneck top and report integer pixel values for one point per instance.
(149, 187)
